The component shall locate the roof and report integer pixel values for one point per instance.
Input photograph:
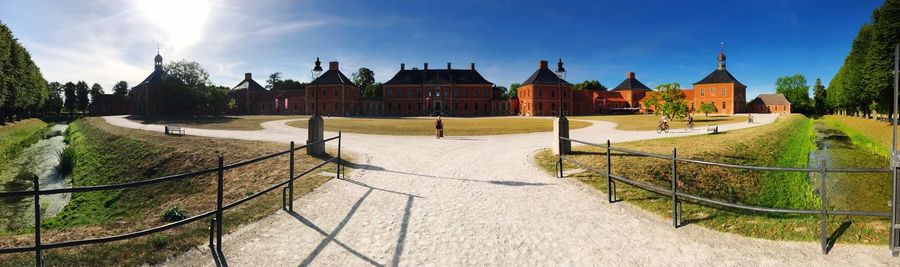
(333, 76)
(719, 76)
(770, 99)
(631, 83)
(439, 76)
(155, 77)
(249, 83)
(688, 93)
(544, 76)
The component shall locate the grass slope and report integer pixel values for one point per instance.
(247, 122)
(874, 136)
(106, 155)
(649, 122)
(760, 146)
(15, 137)
(452, 126)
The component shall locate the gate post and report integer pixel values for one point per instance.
(824, 192)
(895, 161)
(219, 187)
(290, 200)
(676, 205)
(610, 185)
(38, 254)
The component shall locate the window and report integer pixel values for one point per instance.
(337, 92)
(419, 92)
(540, 92)
(419, 107)
(390, 92)
(335, 106)
(408, 106)
(476, 106)
(466, 106)
(389, 106)
(437, 91)
(552, 93)
(455, 106)
(465, 92)
(552, 107)
(723, 104)
(456, 93)
(724, 92)
(702, 93)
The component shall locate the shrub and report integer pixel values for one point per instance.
(66, 161)
(160, 241)
(174, 214)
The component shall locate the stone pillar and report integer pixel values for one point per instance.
(561, 129)
(316, 129)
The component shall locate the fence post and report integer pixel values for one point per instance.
(38, 253)
(339, 164)
(824, 192)
(219, 188)
(676, 211)
(610, 185)
(212, 229)
(559, 162)
(291, 182)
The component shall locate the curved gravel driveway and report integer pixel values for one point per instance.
(480, 200)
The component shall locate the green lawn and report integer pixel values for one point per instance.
(783, 143)
(246, 122)
(649, 122)
(106, 154)
(15, 137)
(871, 134)
(452, 126)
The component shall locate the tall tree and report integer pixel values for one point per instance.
(820, 98)
(273, 79)
(71, 100)
(191, 91)
(82, 92)
(501, 90)
(375, 90)
(514, 90)
(795, 89)
(96, 90)
(363, 78)
(121, 88)
(669, 100)
(54, 102)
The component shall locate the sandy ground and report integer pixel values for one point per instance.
(481, 201)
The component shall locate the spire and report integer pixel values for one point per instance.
(157, 61)
(721, 65)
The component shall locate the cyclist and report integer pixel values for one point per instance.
(690, 121)
(664, 120)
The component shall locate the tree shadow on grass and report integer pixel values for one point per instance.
(194, 120)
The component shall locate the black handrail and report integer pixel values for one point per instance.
(215, 224)
(676, 195)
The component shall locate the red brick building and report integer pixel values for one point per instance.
(721, 89)
(151, 97)
(770, 103)
(456, 92)
(627, 96)
(540, 94)
(338, 96)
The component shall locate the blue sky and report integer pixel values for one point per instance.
(662, 41)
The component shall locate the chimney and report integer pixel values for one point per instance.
(248, 76)
(333, 65)
(402, 66)
(630, 75)
(426, 66)
(448, 65)
(543, 65)
(473, 66)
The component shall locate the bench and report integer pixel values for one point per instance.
(712, 128)
(174, 130)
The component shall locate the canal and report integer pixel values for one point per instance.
(850, 191)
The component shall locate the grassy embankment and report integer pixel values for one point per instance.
(14, 138)
(107, 155)
(758, 146)
(872, 135)
(247, 123)
(452, 126)
(649, 122)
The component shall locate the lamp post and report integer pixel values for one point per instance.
(316, 128)
(561, 127)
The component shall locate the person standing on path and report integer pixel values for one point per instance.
(438, 128)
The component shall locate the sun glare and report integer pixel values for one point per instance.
(181, 21)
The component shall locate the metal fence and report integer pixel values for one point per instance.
(678, 196)
(215, 227)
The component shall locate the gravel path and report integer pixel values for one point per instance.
(480, 201)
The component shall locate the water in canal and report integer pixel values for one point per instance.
(41, 159)
(850, 191)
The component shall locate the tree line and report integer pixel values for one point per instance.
(23, 90)
(864, 83)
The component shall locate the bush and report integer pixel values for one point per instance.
(160, 241)
(66, 161)
(174, 214)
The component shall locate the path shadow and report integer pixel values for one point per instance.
(837, 234)
(404, 226)
(463, 138)
(188, 120)
(379, 189)
(330, 237)
(218, 256)
(697, 220)
(495, 182)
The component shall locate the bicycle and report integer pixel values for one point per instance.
(689, 126)
(662, 127)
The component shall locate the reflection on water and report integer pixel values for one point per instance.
(41, 159)
(850, 191)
